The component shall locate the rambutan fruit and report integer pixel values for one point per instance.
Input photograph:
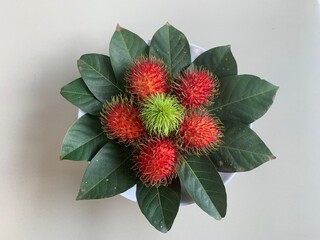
(156, 162)
(199, 132)
(195, 88)
(147, 76)
(161, 114)
(120, 120)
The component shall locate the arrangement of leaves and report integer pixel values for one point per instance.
(156, 120)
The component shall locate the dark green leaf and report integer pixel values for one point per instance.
(218, 60)
(84, 139)
(171, 45)
(243, 98)
(159, 205)
(79, 95)
(203, 183)
(109, 173)
(242, 150)
(124, 47)
(97, 73)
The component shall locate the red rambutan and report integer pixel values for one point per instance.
(196, 88)
(199, 132)
(147, 76)
(120, 120)
(156, 162)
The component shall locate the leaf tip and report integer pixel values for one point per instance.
(62, 157)
(118, 28)
(80, 196)
(272, 157)
(163, 230)
(168, 24)
(276, 90)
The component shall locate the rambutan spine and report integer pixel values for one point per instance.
(147, 76)
(157, 161)
(196, 88)
(200, 133)
(161, 114)
(120, 120)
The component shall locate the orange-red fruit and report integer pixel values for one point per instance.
(196, 87)
(156, 162)
(199, 132)
(147, 76)
(120, 120)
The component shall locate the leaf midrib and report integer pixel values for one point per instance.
(224, 53)
(77, 93)
(100, 74)
(105, 177)
(242, 99)
(75, 149)
(202, 187)
(242, 150)
(126, 46)
(220, 60)
(162, 213)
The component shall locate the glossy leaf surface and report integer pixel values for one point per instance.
(77, 93)
(109, 173)
(97, 73)
(243, 98)
(84, 139)
(203, 183)
(171, 45)
(124, 47)
(159, 205)
(242, 150)
(218, 60)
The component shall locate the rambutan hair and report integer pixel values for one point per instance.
(161, 114)
(156, 162)
(147, 76)
(120, 120)
(196, 88)
(199, 132)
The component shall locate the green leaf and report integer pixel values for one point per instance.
(109, 173)
(218, 60)
(84, 139)
(159, 205)
(97, 73)
(125, 46)
(171, 45)
(242, 150)
(243, 98)
(203, 183)
(79, 95)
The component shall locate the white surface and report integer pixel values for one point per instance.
(39, 45)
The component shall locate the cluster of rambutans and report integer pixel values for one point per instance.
(163, 118)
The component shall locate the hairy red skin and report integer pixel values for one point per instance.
(147, 76)
(156, 162)
(196, 88)
(199, 133)
(120, 120)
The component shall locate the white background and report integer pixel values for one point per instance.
(40, 41)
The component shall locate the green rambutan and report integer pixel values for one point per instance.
(147, 76)
(120, 120)
(161, 114)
